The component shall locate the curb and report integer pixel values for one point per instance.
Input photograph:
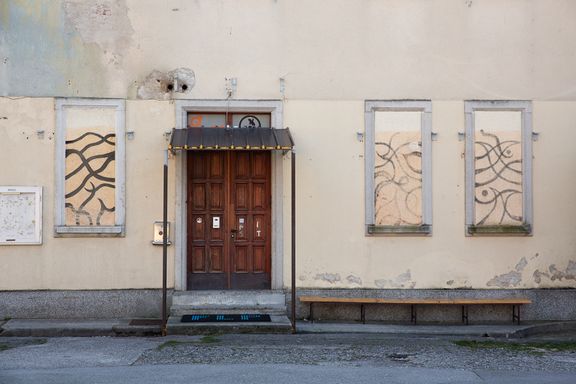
(548, 329)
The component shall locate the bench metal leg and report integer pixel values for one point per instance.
(362, 314)
(413, 313)
(516, 314)
(465, 314)
(311, 318)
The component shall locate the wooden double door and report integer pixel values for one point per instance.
(229, 220)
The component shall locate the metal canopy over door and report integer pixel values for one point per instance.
(229, 215)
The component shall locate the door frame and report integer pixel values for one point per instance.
(275, 108)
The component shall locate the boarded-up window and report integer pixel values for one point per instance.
(498, 168)
(91, 168)
(398, 144)
(90, 175)
(398, 168)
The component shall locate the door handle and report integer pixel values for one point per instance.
(233, 233)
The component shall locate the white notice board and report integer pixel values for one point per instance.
(20, 215)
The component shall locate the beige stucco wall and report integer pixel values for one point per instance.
(85, 263)
(324, 49)
(332, 55)
(333, 251)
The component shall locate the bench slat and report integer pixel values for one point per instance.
(430, 301)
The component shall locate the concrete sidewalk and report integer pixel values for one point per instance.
(122, 327)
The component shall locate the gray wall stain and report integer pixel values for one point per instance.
(329, 277)
(404, 280)
(554, 273)
(354, 279)
(510, 279)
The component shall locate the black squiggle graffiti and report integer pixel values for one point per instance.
(398, 169)
(94, 178)
(498, 180)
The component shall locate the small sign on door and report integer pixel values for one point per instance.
(216, 222)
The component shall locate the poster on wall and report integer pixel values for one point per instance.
(20, 215)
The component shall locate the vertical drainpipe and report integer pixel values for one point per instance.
(293, 185)
(164, 243)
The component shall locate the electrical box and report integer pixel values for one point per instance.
(159, 233)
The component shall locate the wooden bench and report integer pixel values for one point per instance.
(464, 302)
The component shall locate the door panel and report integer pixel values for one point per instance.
(206, 201)
(251, 249)
(234, 187)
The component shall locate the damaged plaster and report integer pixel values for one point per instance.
(43, 57)
(354, 279)
(403, 280)
(328, 277)
(510, 279)
(104, 23)
(162, 85)
(554, 273)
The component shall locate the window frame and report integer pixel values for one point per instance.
(525, 108)
(60, 227)
(370, 109)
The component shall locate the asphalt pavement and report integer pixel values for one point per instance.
(285, 358)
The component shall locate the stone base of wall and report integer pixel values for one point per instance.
(101, 304)
(547, 305)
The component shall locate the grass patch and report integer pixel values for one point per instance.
(207, 339)
(171, 344)
(533, 348)
(5, 346)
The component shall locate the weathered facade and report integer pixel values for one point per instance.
(434, 145)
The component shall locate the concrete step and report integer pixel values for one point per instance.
(180, 311)
(229, 300)
(268, 302)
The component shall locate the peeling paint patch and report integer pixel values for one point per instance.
(554, 273)
(354, 279)
(521, 265)
(569, 273)
(537, 275)
(404, 280)
(510, 279)
(104, 23)
(329, 277)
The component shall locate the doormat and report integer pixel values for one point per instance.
(250, 318)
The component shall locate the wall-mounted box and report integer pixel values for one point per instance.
(159, 233)
(20, 215)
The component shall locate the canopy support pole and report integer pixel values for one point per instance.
(164, 244)
(293, 186)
